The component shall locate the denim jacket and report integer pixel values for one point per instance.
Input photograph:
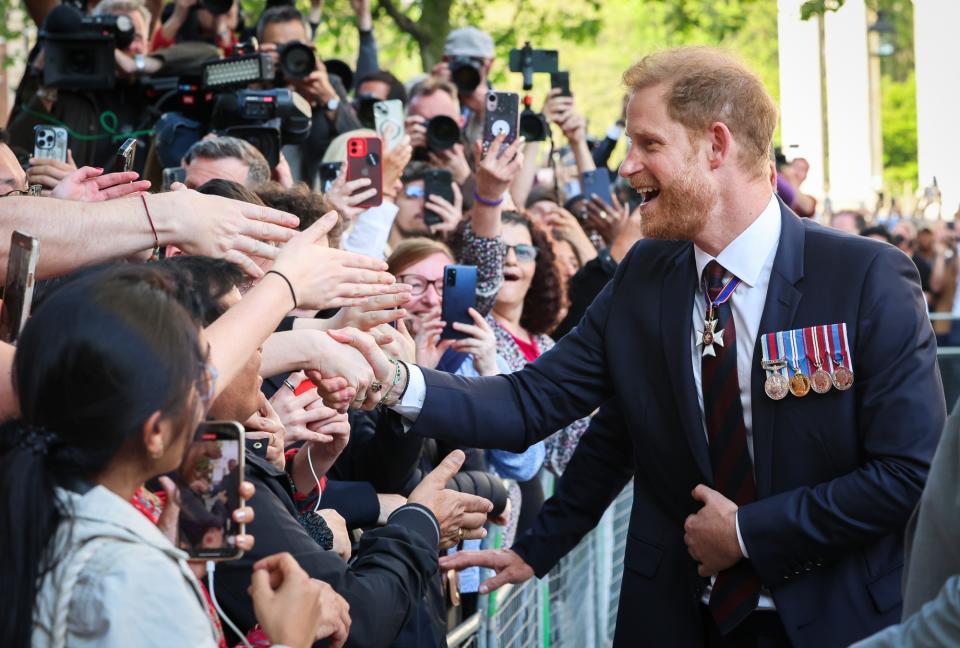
(134, 588)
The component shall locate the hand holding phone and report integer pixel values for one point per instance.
(459, 296)
(501, 117)
(365, 160)
(209, 479)
(50, 143)
(388, 119)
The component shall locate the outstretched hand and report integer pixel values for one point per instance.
(508, 565)
(89, 184)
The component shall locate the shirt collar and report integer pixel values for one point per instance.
(745, 256)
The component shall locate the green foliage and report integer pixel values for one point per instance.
(900, 133)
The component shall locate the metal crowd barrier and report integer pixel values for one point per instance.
(574, 605)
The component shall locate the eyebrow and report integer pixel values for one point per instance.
(645, 134)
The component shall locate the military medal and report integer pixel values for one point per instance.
(776, 385)
(799, 383)
(842, 374)
(710, 336)
(819, 380)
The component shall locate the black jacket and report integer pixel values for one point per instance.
(383, 583)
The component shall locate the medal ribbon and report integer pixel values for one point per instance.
(824, 339)
(781, 354)
(845, 348)
(799, 352)
(839, 351)
(811, 345)
(725, 294)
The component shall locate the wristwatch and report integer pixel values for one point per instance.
(140, 61)
(333, 104)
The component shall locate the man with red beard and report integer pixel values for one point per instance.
(769, 384)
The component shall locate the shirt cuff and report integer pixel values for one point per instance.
(743, 547)
(420, 519)
(412, 402)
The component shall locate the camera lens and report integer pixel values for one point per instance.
(465, 74)
(442, 133)
(533, 126)
(297, 60)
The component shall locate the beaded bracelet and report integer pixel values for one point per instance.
(397, 375)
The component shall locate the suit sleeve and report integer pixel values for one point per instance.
(512, 412)
(900, 414)
(601, 466)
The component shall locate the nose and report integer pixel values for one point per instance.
(510, 258)
(632, 164)
(430, 296)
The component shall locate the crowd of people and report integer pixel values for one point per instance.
(378, 448)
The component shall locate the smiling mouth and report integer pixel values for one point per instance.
(647, 195)
(511, 276)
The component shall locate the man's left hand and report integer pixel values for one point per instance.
(89, 184)
(711, 533)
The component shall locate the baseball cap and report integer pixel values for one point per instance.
(469, 41)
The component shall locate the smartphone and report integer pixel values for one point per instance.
(561, 80)
(388, 119)
(459, 294)
(50, 143)
(597, 182)
(365, 160)
(18, 289)
(436, 182)
(329, 172)
(123, 161)
(209, 481)
(173, 174)
(501, 116)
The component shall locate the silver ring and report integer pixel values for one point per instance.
(288, 384)
(604, 215)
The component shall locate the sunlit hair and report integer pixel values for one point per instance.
(414, 250)
(705, 85)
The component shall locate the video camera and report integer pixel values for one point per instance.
(528, 61)
(79, 50)
(268, 119)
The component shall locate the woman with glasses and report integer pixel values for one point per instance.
(527, 308)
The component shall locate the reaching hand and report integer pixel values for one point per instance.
(324, 277)
(397, 343)
(372, 312)
(461, 516)
(299, 413)
(294, 609)
(453, 160)
(222, 228)
(87, 184)
(607, 220)
(509, 566)
(378, 367)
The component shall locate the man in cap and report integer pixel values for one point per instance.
(468, 56)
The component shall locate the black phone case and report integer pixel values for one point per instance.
(561, 80)
(506, 113)
(597, 182)
(459, 294)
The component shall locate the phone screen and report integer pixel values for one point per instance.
(18, 288)
(209, 482)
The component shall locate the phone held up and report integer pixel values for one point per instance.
(125, 155)
(459, 295)
(388, 119)
(365, 160)
(436, 182)
(18, 289)
(501, 117)
(209, 482)
(597, 183)
(50, 143)
(561, 80)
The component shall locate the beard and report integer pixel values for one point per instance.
(682, 208)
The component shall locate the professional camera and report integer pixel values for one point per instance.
(79, 50)
(268, 119)
(297, 60)
(465, 73)
(528, 61)
(443, 133)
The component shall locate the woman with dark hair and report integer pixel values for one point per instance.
(112, 378)
(528, 307)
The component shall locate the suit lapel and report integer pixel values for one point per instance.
(783, 298)
(679, 286)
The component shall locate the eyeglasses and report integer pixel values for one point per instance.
(414, 191)
(525, 253)
(32, 190)
(418, 285)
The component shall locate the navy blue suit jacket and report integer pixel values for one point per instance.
(837, 474)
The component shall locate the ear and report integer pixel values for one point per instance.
(720, 141)
(156, 435)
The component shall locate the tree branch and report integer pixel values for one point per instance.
(403, 21)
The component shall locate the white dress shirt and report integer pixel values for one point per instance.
(750, 258)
